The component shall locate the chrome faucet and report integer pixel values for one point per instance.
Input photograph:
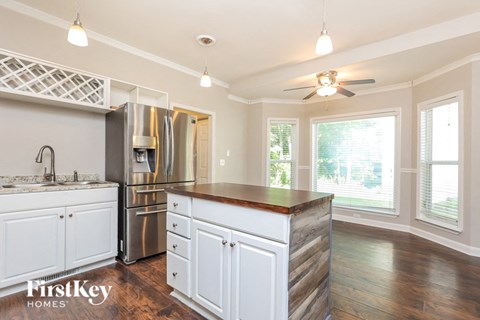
(48, 176)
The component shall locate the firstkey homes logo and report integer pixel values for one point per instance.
(95, 295)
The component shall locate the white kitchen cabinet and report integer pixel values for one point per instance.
(32, 245)
(236, 275)
(259, 277)
(90, 233)
(70, 232)
(211, 270)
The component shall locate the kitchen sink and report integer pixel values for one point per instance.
(80, 183)
(30, 185)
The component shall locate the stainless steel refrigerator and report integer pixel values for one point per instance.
(147, 150)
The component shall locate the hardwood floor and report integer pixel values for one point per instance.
(376, 274)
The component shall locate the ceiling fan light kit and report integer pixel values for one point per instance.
(326, 91)
(76, 34)
(205, 41)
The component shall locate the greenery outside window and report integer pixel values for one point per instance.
(439, 176)
(282, 153)
(355, 158)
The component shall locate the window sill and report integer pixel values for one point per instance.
(367, 211)
(440, 225)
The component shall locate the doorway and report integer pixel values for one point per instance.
(204, 142)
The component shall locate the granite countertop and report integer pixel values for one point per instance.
(25, 180)
(272, 199)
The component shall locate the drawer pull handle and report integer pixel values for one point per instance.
(174, 274)
(62, 216)
(174, 225)
(143, 213)
(232, 244)
(174, 246)
(175, 205)
(150, 191)
(224, 242)
(70, 215)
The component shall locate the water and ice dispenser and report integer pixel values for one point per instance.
(144, 154)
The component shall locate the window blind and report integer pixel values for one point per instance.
(355, 160)
(282, 149)
(438, 165)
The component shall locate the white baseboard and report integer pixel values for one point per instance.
(469, 250)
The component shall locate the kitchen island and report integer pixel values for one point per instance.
(249, 252)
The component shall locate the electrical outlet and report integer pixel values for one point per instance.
(222, 162)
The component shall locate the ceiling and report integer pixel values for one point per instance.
(266, 46)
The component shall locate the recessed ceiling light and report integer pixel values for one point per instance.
(206, 40)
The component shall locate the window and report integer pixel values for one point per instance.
(438, 162)
(355, 159)
(282, 149)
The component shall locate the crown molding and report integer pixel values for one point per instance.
(449, 67)
(63, 24)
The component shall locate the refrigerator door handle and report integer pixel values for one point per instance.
(166, 142)
(144, 213)
(172, 147)
(150, 191)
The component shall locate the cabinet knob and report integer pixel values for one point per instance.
(174, 246)
(174, 225)
(70, 215)
(175, 204)
(224, 242)
(174, 274)
(62, 216)
(232, 244)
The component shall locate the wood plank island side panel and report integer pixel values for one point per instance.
(309, 263)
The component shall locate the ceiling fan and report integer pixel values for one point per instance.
(328, 85)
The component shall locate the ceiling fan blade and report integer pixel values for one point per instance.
(299, 88)
(310, 95)
(351, 82)
(345, 92)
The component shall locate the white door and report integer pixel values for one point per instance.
(202, 151)
(259, 278)
(91, 233)
(32, 245)
(211, 267)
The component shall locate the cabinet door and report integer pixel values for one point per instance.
(91, 233)
(32, 245)
(259, 278)
(211, 267)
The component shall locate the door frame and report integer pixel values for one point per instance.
(211, 134)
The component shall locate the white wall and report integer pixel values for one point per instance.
(34, 38)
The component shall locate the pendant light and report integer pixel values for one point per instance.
(324, 43)
(76, 34)
(206, 41)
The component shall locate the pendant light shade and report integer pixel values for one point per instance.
(324, 42)
(205, 81)
(77, 35)
(326, 91)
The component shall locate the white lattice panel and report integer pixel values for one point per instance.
(24, 76)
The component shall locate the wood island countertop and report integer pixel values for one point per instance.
(264, 198)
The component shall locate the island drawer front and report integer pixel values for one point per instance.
(178, 224)
(178, 245)
(265, 224)
(179, 204)
(178, 273)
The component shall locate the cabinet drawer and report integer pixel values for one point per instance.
(178, 245)
(178, 273)
(179, 204)
(178, 224)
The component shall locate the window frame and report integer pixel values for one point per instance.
(295, 147)
(396, 112)
(420, 215)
